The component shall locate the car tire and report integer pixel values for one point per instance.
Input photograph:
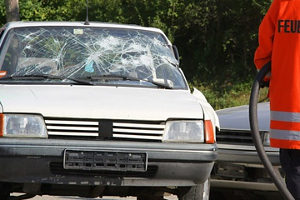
(4, 196)
(4, 192)
(198, 192)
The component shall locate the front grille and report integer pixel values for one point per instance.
(72, 127)
(234, 137)
(135, 130)
(120, 129)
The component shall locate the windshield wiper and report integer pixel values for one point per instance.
(110, 77)
(43, 77)
(158, 84)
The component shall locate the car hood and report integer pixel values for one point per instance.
(237, 118)
(108, 102)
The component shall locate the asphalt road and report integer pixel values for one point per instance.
(215, 194)
(228, 195)
(46, 197)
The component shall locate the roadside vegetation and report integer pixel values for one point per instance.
(216, 38)
(228, 94)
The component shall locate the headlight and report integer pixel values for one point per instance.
(184, 131)
(266, 139)
(21, 125)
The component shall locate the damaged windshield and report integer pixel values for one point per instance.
(93, 55)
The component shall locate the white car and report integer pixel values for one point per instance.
(238, 165)
(100, 109)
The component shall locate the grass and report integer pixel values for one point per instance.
(227, 94)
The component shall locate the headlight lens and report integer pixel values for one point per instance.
(184, 131)
(21, 125)
(266, 139)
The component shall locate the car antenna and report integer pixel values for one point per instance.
(87, 14)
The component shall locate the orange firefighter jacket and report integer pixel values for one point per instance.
(279, 42)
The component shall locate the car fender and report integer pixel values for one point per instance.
(209, 112)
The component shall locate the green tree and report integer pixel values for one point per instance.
(12, 10)
(216, 38)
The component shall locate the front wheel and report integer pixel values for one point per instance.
(4, 192)
(198, 192)
(4, 196)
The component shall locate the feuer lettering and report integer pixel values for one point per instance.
(288, 26)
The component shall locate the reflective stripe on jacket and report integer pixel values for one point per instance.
(279, 42)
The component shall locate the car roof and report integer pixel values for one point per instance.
(18, 24)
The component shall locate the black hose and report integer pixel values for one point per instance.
(277, 179)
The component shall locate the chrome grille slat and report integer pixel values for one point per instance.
(65, 122)
(51, 127)
(152, 126)
(73, 133)
(128, 136)
(122, 129)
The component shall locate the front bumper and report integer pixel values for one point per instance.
(245, 154)
(239, 167)
(41, 161)
(243, 185)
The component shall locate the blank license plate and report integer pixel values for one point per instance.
(105, 160)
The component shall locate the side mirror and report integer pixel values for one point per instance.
(176, 54)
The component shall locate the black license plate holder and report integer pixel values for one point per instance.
(97, 160)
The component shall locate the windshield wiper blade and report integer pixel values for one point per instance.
(110, 77)
(81, 81)
(25, 77)
(43, 77)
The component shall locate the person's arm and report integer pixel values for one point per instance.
(266, 35)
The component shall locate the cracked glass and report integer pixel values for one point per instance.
(95, 55)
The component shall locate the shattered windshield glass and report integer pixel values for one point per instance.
(97, 55)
